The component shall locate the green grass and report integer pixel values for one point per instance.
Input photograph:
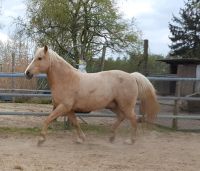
(57, 126)
(90, 128)
(161, 128)
(19, 130)
(98, 129)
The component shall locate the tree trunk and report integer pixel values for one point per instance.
(103, 57)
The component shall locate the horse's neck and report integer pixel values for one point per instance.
(58, 71)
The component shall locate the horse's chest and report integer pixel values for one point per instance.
(63, 97)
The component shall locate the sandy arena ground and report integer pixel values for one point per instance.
(154, 150)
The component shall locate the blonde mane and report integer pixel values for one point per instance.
(54, 58)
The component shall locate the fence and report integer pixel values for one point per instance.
(45, 93)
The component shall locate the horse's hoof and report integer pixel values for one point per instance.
(83, 137)
(41, 141)
(79, 141)
(112, 139)
(129, 142)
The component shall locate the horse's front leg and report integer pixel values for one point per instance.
(80, 134)
(58, 111)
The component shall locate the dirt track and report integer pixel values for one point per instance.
(153, 150)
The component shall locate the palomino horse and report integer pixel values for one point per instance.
(73, 91)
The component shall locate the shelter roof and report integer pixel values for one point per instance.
(183, 61)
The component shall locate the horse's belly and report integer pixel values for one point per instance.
(90, 104)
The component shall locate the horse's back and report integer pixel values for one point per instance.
(104, 87)
(108, 79)
(124, 85)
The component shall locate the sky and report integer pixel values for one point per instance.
(10, 9)
(152, 18)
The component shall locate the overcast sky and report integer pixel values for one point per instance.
(152, 18)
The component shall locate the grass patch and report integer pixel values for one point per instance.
(90, 128)
(57, 126)
(161, 128)
(19, 130)
(98, 129)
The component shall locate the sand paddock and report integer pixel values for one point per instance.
(154, 150)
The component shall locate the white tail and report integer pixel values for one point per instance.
(147, 95)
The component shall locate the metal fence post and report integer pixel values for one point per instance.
(176, 105)
(146, 46)
(13, 70)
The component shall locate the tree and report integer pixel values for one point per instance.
(185, 32)
(133, 63)
(14, 58)
(91, 24)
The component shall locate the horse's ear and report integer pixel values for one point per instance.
(45, 49)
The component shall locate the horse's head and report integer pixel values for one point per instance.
(40, 63)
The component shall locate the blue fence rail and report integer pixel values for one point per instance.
(46, 93)
(17, 75)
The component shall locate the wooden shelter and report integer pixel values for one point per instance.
(184, 68)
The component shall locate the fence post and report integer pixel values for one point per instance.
(176, 105)
(13, 70)
(146, 46)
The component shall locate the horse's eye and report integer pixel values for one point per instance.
(39, 58)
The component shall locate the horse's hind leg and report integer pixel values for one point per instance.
(73, 119)
(120, 118)
(132, 117)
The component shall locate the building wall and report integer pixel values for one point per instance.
(187, 87)
(165, 88)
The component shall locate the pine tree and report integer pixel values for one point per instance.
(185, 32)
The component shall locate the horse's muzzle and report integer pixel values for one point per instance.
(28, 75)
